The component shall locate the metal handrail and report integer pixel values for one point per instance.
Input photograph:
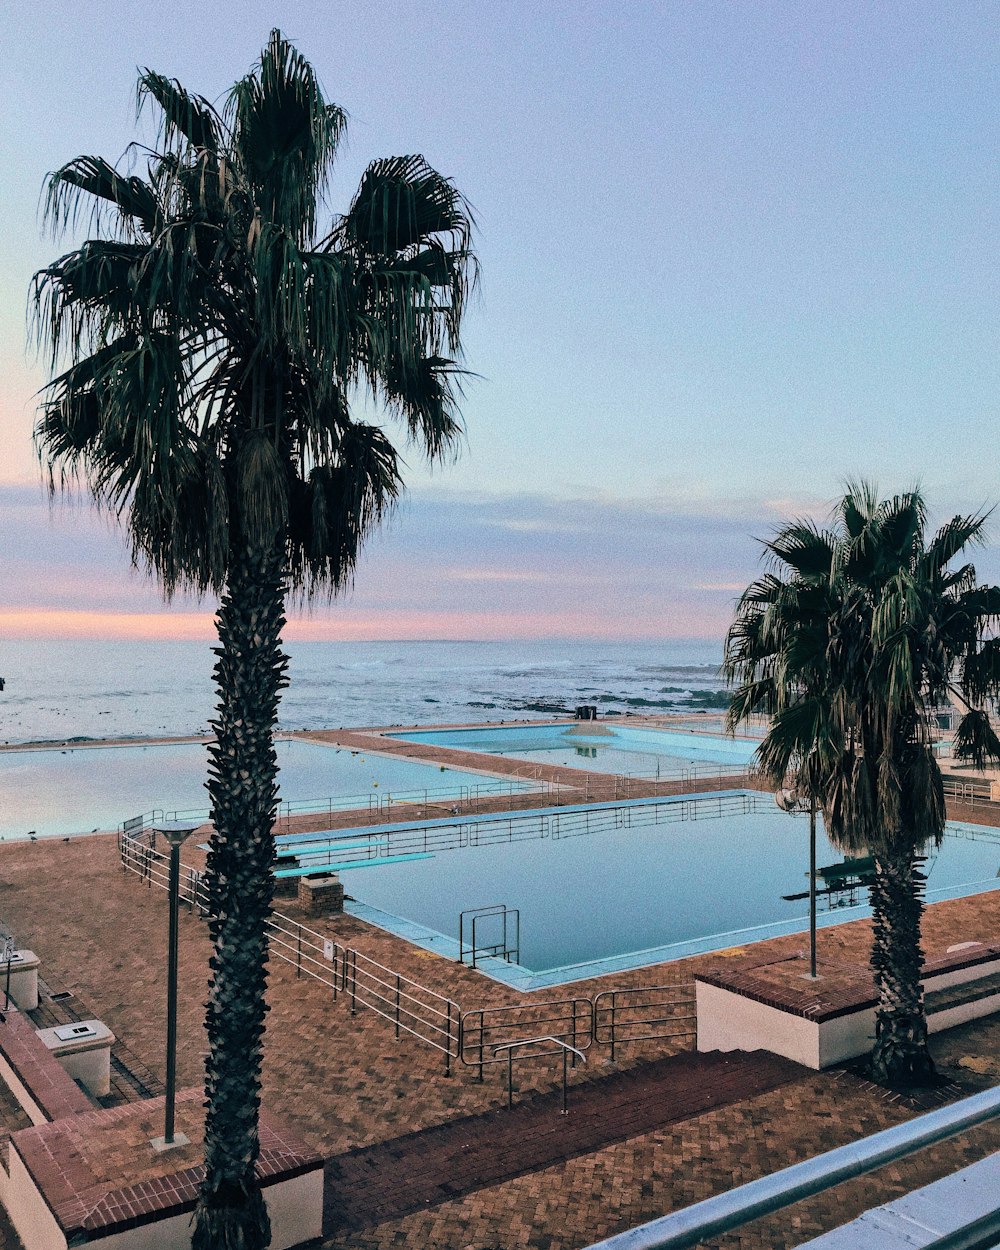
(562, 1014)
(502, 949)
(619, 1013)
(510, 1047)
(689, 1227)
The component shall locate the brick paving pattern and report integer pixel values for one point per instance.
(345, 1083)
(394, 1178)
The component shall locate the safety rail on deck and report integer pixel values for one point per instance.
(708, 1219)
(975, 793)
(503, 827)
(485, 1028)
(137, 853)
(408, 1005)
(311, 954)
(524, 784)
(561, 1047)
(623, 1015)
(380, 806)
(614, 1018)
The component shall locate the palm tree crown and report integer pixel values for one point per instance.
(218, 333)
(848, 643)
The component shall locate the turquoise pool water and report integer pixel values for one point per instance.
(598, 746)
(632, 892)
(79, 789)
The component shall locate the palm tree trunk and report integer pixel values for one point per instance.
(900, 1057)
(249, 675)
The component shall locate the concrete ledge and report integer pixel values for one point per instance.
(94, 1178)
(776, 1006)
(923, 1217)
(44, 1090)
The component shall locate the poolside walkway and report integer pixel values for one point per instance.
(365, 1187)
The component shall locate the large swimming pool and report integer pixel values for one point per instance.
(78, 790)
(604, 887)
(599, 746)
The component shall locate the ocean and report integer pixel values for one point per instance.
(73, 690)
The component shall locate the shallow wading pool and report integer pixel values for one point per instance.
(599, 746)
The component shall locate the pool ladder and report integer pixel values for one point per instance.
(508, 945)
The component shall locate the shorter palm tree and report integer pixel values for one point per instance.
(849, 642)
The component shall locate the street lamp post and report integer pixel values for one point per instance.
(792, 801)
(175, 832)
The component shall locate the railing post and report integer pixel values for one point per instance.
(397, 1004)
(564, 1080)
(447, 1048)
(510, 1077)
(298, 952)
(354, 982)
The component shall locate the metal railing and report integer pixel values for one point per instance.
(644, 1013)
(525, 782)
(405, 1003)
(408, 1005)
(975, 793)
(695, 1224)
(311, 954)
(507, 827)
(380, 806)
(566, 1051)
(568, 1020)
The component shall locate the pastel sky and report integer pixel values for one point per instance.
(732, 254)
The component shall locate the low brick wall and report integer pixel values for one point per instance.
(34, 1076)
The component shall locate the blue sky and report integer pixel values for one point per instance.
(731, 255)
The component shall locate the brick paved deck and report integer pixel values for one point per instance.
(394, 1178)
(346, 1083)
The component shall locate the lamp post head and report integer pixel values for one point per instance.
(177, 832)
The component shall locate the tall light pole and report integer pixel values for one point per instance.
(176, 833)
(792, 801)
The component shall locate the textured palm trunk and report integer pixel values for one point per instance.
(249, 675)
(900, 1057)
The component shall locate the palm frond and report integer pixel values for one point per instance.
(285, 135)
(187, 117)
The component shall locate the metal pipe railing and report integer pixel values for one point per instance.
(689, 1227)
(510, 1047)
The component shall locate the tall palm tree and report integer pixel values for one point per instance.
(849, 642)
(210, 346)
